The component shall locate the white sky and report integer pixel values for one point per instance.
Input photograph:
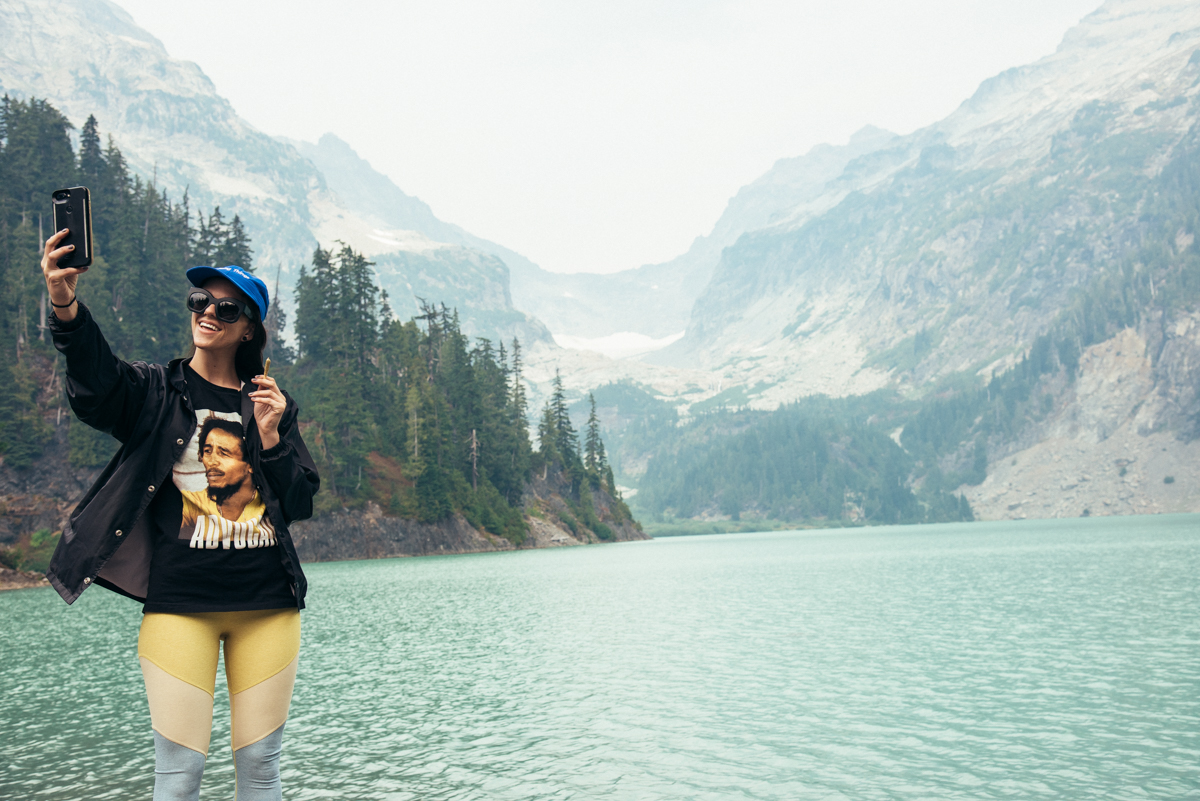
(596, 136)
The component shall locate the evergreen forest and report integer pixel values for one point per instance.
(416, 417)
(817, 461)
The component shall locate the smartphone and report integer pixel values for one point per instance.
(73, 211)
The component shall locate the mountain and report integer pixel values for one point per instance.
(89, 57)
(420, 257)
(646, 308)
(975, 230)
(372, 194)
(1045, 230)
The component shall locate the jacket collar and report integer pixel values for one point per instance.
(175, 374)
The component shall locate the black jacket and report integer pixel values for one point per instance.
(108, 539)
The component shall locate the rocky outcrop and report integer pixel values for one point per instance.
(556, 514)
(1119, 440)
(551, 505)
(370, 534)
(20, 579)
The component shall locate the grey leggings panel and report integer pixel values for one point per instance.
(257, 768)
(178, 770)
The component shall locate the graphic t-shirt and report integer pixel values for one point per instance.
(214, 547)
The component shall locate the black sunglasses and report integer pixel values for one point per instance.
(228, 309)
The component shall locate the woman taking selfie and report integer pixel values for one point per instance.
(190, 518)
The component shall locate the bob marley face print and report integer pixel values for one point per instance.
(221, 505)
(222, 453)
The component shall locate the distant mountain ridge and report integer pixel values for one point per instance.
(899, 242)
(656, 299)
(89, 57)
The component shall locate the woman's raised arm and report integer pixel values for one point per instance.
(104, 392)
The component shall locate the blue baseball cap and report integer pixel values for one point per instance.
(251, 285)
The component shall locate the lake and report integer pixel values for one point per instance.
(1032, 659)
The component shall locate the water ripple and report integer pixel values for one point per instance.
(990, 661)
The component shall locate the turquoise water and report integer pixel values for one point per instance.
(1039, 659)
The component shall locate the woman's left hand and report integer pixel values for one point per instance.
(269, 404)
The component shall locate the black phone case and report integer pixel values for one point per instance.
(73, 210)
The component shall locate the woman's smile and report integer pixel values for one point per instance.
(208, 332)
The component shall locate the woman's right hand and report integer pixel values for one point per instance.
(60, 283)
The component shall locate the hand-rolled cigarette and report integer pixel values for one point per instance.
(267, 367)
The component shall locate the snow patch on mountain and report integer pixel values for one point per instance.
(620, 345)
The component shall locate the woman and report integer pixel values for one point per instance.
(190, 518)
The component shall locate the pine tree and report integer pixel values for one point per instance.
(91, 157)
(517, 407)
(277, 350)
(595, 459)
(517, 400)
(209, 238)
(593, 445)
(548, 436)
(338, 321)
(235, 247)
(566, 440)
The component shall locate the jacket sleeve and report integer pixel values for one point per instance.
(290, 469)
(104, 391)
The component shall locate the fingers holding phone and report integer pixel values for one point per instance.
(60, 281)
(55, 251)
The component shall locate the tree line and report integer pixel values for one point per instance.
(815, 460)
(416, 416)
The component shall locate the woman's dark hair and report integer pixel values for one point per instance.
(248, 362)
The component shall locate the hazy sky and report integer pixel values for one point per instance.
(596, 136)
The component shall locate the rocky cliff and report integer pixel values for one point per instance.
(1107, 447)
(976, 231)
(40, 497)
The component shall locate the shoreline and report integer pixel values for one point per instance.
(20, 579)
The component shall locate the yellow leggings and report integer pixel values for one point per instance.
(178, 654)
